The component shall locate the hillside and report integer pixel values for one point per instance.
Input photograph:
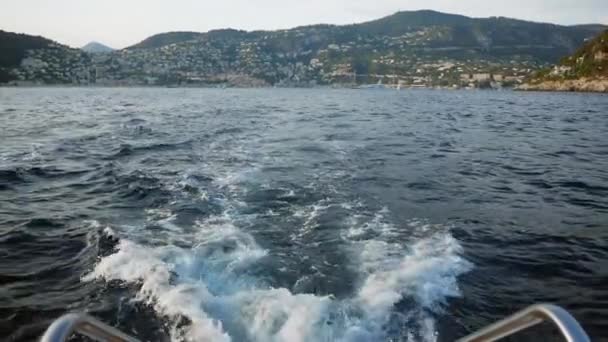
(34, 59)
(414, 48)
(13, 48)
(585, 70)
(95, 47)
(591, 60)
(542, 41)
(162, 39)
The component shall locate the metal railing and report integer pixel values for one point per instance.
(536, 314)
(73, 323)
(67, 325)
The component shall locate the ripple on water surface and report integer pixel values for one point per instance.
(300, 215)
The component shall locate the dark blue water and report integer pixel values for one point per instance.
(300, 215)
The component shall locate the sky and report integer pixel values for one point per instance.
(120, 23)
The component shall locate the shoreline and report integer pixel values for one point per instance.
(331, 86)
(582, 85)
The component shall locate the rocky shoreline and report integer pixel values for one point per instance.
(596, 85)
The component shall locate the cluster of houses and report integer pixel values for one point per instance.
(55, 65)
(444, 74)
(405, 61)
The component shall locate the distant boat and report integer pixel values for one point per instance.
(378, 85)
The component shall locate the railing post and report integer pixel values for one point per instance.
(567, 325)
(69, 324)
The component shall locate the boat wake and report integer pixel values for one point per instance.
(400, 288)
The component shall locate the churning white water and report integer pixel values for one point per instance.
(208, 284)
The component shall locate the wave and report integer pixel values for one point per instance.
(126, 150)
(135, 185)
(231, 130)
(583, 186)
(24, 174)
(214, 286)
(10, 176)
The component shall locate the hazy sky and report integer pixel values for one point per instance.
(120, 23)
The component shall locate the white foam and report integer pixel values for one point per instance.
(209, 280)
(361, 227)
(426, 271)
(309, 214)
(211, 286)
(109, 232)
(34, 153)
(96, 225)
(427, 274)
(230, 179)
(133, 263)
(154, 214)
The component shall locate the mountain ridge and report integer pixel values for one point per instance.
(413, 48)
(96, 47)
(14, 47)
(163, 39)
(412, 18)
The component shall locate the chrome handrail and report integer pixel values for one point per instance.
(83, 324)
(69, 324)
(533, 315)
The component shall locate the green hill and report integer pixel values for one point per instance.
(162, 39)
(36, 59)
(591, 60)
(13, 48)
(585, 70)
(495, 37)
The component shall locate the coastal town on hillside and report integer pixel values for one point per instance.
(203, 65)
(402, 61)
(399, 51)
